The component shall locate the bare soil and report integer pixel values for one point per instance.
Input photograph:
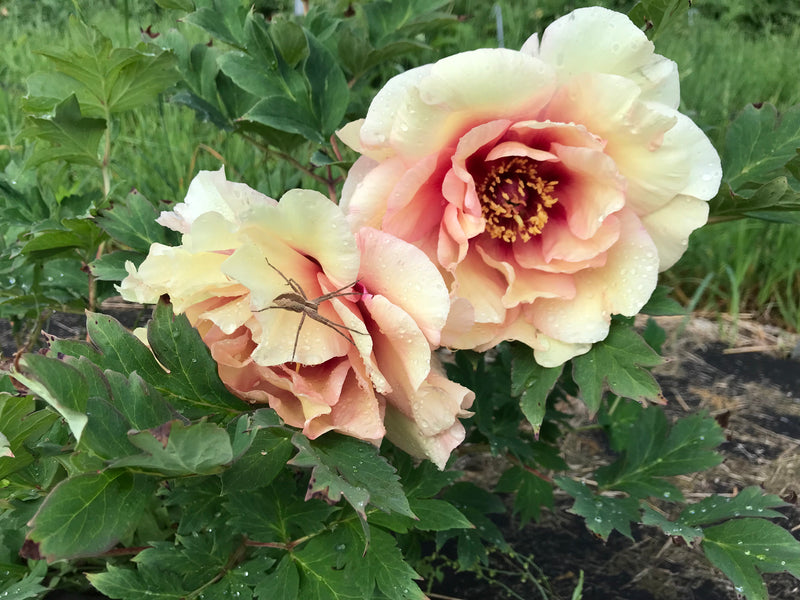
(740, 373)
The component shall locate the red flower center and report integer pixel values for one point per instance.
(515, 199)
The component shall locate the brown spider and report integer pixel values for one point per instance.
(297, 301)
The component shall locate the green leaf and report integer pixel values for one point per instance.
(105, 80)
(656, 16)
(531, 492)
(437, 515)
(111, 267)
(393, 576)
(282, 584)
(328, 86)
(277, 513)
(225, 21)
(86, 515)
(759, 143)
(58, 384)
(20, 422)
(185, 5)
(175, 449)
(673, 528)
(130, 584)
(192, 372)
(652, 450)
(332, 567)
(660, 304)
(72, 137)
(344, 466)
(603, 514)
(742, 547)
(133, 223)
(533, 382)
(260, 464)
(749, 502)
(618, 361)
(27, 587)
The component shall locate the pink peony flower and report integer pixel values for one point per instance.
(355, 350)
(550, 184)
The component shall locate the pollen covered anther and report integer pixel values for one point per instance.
(515, 198)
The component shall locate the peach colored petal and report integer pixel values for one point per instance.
(622, 286)
(414, 207)
(483, 286)
(559, 243)
(433, 430)
(367, 189)
(406, 277)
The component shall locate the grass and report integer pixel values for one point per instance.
(728, 56)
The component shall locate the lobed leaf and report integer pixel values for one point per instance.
(58, 384)
(651, 449)
(741, 548)
(673, 528)
(619, 361)
(133, 223)
(175, 449)
(533, 383)
(72, 137)
(344, 466)
(86, 515)
(749, 502)
(603, 514)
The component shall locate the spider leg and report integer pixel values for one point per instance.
(297, 335)
(339, 292)
(337, 327)
(296, 288)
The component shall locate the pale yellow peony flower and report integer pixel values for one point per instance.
(362, 353)
(550, 184)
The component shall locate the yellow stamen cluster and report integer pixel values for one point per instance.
(514, 199)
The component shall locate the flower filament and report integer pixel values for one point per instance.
(515, 198)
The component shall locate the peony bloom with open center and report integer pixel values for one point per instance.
(372, 307)
(550, 184)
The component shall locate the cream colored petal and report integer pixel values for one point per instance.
(229, 316)
(684, 163)
(406, 277)
(553, 353)
(417, 434)
(210, 191)
(670, 226)
(426, 109)
(187, 278)
(350, 134)
(312, 226)
(599, 40)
